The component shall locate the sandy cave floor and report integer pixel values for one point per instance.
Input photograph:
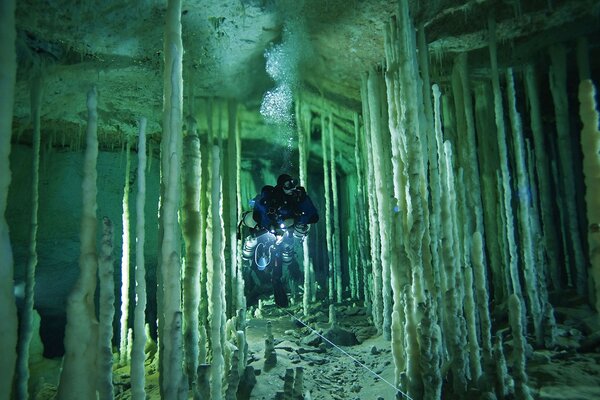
(569, 372)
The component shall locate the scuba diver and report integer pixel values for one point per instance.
(280, 218)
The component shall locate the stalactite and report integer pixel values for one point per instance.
(376, 290)
(558, 87)
(26, 328)
(173, 383)
(590, 144)
(436, 224)
(524, 213)
(8, 310)
(583, 58)
(78, 377)
(106, 312)
(216, 276)
(360, 220)
(488, 156)
(452, 313)
(125, 269)
(191, 173)
(504, 163)
(328, 222)
(384, 208)
(232, 191)
(138, 378)
(336, 242)
(542, 168)
(411, 102)
(241, 298)
(471, 164)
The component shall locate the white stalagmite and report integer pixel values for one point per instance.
(173, 384)
(519, 350)
(190, 212)
(481, 295)
(8, 309)
(125, 270)
(26, 331)
(336, 242)
(216, 277)
(78, 378)
(472, 329)
(139, 333)
(525, 213)
(106, 312)
(590, 144)
(509, 230)
(558, 87)
(542, 168)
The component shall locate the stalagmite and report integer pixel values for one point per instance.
(481, 295)
(172, 379)
(8, 310)
(558, 87)
(270, 356)
(336, 242)
(590, 144)
(414, 387)
(519, 343)
(26, 328)
(216, 277)
(524, 213)
(139, 338)
(504, 163)
(472, 329)
(542, 168)
(78, 377)
(106, 312)
(125, 271)
(191, 176)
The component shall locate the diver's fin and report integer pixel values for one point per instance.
(281, 298)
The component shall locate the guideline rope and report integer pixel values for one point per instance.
(350, 356)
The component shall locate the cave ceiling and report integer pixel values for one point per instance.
(118, 46)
